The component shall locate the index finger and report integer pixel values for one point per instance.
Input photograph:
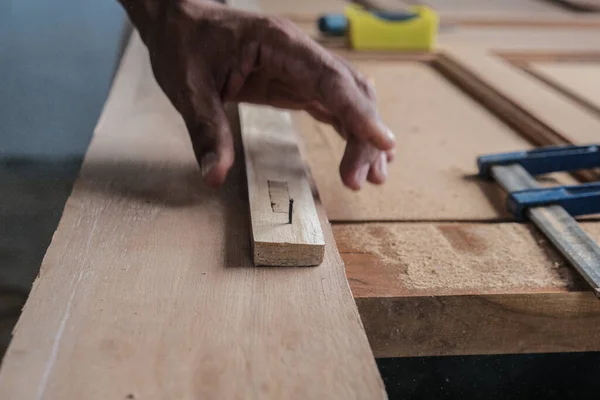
(354, 109)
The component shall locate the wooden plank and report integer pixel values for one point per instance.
(525, 123)
(276, 176)
(579, 80)
(148, 290)
(523, 58)
(430, 289)
(563, 116)
(440, 132)
(521, 38)
(478, 9)
(481, 324)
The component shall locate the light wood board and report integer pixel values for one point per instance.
(276, 176)
(580, 80)
(440, 133)
(522, 38)
(493, 8)
(560, 114)
(432, 289)
(147, 290)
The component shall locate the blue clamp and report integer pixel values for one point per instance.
(544, 160)
(576, 200)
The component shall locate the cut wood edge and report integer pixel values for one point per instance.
(288, 254)
(481, 324)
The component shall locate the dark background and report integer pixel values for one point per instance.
(57, 59)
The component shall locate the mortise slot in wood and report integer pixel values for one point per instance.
(279, 195)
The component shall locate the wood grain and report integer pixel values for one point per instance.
(513, 38)
(477, 9)
(562, 115)
(433, 289)
(276, 175)
(440, 133)
(481, 324)
(579, 80)
(148, 290)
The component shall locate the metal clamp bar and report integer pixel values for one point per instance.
(557, 224)
(576, 200)
(544, 160)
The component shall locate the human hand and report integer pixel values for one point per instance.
(204, 54)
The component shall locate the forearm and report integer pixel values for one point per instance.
(145, 13)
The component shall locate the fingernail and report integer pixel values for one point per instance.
(361, 174)
(371, 82)
(208, 163)
(387, 131)
(383, 167)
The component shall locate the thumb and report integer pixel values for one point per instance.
(212, 140)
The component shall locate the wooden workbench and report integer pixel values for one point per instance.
(435, 264)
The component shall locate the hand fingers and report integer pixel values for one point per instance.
(366, 85)
(319, 113)
(378, 170)
(211, 138)
(291, 57)
(358, 159)
(391, 155)
(356, 111)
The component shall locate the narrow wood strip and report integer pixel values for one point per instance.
(148, 291)
(581, 81)
(530, 127)
(562, 115)
(521, 39)
(536, 56)
(535, 110)
(285, 225)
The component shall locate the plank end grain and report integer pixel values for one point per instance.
(282, 235)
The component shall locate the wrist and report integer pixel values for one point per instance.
(144, 13)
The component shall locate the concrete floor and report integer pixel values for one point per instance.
(56, 62)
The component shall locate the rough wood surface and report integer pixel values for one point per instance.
(477, 9)
(276, 176)
(437, 259)
(148, 290)
(579, 80)
(481, 324)
(560, 114)
(432, 289)
(440, 133)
